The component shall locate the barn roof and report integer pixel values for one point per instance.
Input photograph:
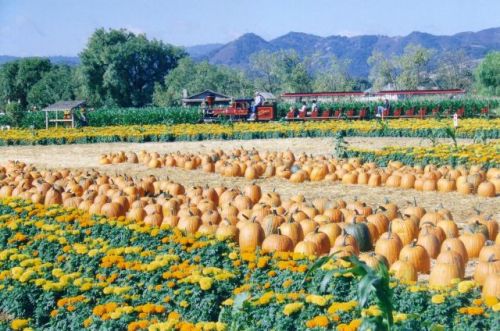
(202, 94)
(65, 105)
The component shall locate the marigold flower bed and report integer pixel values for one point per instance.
(63, 269)
(488, 128)
(488, 155)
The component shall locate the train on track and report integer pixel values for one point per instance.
(241, 109)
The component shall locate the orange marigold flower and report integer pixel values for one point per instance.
(87, 322)
(99, 310)
(320, 321)
(54, 313)
(287, 283)
(174, 315)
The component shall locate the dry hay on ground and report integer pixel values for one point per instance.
(87, 156)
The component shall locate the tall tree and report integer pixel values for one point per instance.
(196, 77)
(383, 70)
(414, 67)
(121, 68)
(335, 77)
(454, 70)
(18, 77)
(55, 85)
(264, 69)
(282, 71)
(488, 75)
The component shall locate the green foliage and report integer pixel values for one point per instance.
(341, 145)
(55, 85)
(374, 283)
(19, 76)
(452, 134)
(15, 113)
(414, 67)
(197, 77)
(383, 70)
(454, 70)
(143, 116)
(278, 72)
(335, 77)
(488, 74)
(121, 68)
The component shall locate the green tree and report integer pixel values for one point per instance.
(19, 76)
(414, 67)
(488, 75)
(383, 70)
(264, 69)
(15, 113)
(454, 70)
(121, 68)
(196, 77)
(335, 77)
(282, 71)
(55, 85)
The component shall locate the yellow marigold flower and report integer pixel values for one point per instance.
(174, 315)
(371, 311)
(287, 283)
(265, 298)
(19, 324)
(465, 286)
(320, 321)
(342, 306)
(184, 304)
(318, 300)
(206, 283)
(228, 302)
(399, 317)
(87, 322)
(291, 308)
(496, 307)
(490, 301)
(438, 299)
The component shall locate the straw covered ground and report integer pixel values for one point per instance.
(87, 156)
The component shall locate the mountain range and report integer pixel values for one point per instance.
(357, 49)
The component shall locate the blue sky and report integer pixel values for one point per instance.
(62, 27)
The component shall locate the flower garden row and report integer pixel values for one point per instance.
(488, 155)
(469, 128)
(64, 269)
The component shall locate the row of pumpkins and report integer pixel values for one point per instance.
(253, 165)
(405, 239)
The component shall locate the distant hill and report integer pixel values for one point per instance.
(201, 50)
(358, 48)
(69, 60)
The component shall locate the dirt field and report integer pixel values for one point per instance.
(87, 156)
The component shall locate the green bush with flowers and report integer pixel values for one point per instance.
(64, 269)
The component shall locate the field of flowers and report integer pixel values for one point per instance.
(64, 269)
(486, 154)
(469, 128)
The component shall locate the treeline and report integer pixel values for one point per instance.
(121, 69)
